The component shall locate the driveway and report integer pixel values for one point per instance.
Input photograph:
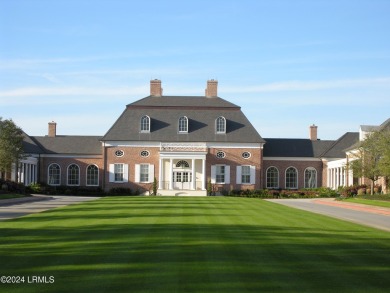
(376, 217)
(10, 209)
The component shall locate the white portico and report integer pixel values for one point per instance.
(182, 168)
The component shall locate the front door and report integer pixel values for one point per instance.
(182, 180)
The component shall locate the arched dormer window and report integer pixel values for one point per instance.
(183, 124)
(220, 125)
(145, 124)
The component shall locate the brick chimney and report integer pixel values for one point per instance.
(313, 132)
(212, 88)
(52, 129)
(155, 88)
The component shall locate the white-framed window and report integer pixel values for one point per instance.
(183, 124)
(272, 177)
(119, 153)
(220, 125)
(145, 124)
(73, 175)
(92, 175)
(144, 173)
(220, 174)
(291, 178)
(246, 155)
(54, 174)
(119, 173)
(144, 153)
(246, 174)
(310, 177)
(220, 154)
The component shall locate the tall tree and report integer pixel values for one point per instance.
(11, 144)
(372, 158)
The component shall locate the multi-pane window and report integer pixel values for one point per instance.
(272, 177)
(92, 175)
(291, 178)
(145, 124)
(73, 175)
(183, 124)
(144, 173)
(118, 172)
(310, 178)
(220, 174)
(220, 125)
(54, 175)
(245, 174)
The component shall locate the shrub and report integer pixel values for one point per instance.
(120, 191)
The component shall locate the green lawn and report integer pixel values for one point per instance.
(377, 203)
(187, 244)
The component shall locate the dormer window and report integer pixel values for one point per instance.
(220, 125)
(145, 124)
(183, 124)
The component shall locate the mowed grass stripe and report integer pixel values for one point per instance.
(189, 244)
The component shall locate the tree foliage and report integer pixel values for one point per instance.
(372, 158)
(11, 144)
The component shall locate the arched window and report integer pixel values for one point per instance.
(183, 164)
(145, 124)
(272, 177)
(291, 178)
(220, 125)
(310, 178)
(183, 124)
(54, 174)
(92, 175)
(73, 175)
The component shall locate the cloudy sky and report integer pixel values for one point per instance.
(287, 63)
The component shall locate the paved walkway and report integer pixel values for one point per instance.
(372, 216)
(15, 208)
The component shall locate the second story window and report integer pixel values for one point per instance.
(145, 124)
(220, 125)
(183, 124)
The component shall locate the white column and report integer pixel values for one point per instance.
(160, 174)
(170, 174)
(328, 178)
(337, 177)
(193, 179)
(203, 174)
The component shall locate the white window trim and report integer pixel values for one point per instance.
(112, 173)
(252, 171)
(48, 175)
(67, 175)
(143, 130)
(137, 174)
(214, 174)
(224, 125)
(86, 175)
(285, 178)
(304, 176)
(266, 178)
(178, 128)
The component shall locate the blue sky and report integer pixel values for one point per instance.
(287, 63)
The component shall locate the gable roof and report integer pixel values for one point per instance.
(30, 146)
(165, 111)
(69, 144)
(340, 146)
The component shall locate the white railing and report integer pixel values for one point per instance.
(183, 147)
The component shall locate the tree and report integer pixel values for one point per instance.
(11, 144)
(372, 158)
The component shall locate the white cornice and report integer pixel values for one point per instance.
(291, 159)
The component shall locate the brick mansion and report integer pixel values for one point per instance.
(185, 142)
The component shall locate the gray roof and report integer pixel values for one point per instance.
(30, 146)
(69, 144)
(339, 147)
(306, 148)
(292, 147)
(165, 112)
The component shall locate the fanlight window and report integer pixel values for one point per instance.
(291, 178)
(220, 125)
(310, 178)
(272, 177)
(183, 124)
(145, 124)
(183, 164)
